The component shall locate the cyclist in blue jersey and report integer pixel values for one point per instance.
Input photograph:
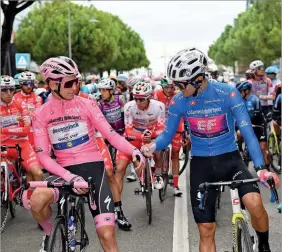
(257, 117)
(210, 110)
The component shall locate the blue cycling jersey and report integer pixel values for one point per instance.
(211, 121)
(277, 110)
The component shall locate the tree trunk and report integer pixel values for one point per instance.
(109, 72)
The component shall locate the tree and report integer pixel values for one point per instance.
(256, 34)
(44, 33)
(10, 10)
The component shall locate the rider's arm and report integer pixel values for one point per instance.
(41, 141)
(174, 117)
(128, 121)
(39, 101)
(100, 123)
(160, 121)
(242, 118)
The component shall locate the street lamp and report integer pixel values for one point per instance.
(69, 31)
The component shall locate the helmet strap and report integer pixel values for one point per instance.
(58, 92)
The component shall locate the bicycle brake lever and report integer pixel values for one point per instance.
(273, 192)
(203, 200)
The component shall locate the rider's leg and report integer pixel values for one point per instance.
(207, 233)
(259, 216)
(40, 203)
(263, 146)
(121, 165)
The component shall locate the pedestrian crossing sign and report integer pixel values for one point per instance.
(22, 60)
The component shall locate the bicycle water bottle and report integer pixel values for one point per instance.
(71, 233)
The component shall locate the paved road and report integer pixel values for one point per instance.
(21, 234)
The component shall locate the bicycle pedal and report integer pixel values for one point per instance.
(137, 191)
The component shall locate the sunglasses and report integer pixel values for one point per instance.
(181, 85)
(6, 90)
(70, 83)
(28, 83)
(140, 99)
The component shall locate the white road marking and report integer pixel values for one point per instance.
(180, 226)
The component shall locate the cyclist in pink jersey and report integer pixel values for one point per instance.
(68, 123)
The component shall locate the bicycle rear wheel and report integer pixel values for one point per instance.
(275, 156)
(58, 238)
(5, 192)
(243, 241)
(148, 191)
(185, 160)
(80, 235)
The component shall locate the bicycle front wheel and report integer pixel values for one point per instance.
(165, 170)
(5, 192)
(243, 241)
(185, 160)
(275, 156)
(58, 238)
(148, 192)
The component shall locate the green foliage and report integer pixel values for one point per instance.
(106, 44)
(256, 34)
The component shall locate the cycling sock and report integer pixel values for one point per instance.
(117, 206)
(262, 237)
(132, 168)
(47, 226)
(175, 181)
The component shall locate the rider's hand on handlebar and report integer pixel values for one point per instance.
(138, 160)
(264, 175)
(147, 136)
(75, 178)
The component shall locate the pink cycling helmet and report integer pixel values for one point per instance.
(57, 68)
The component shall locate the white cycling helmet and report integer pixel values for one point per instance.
(132, 81)
(142, 89)
(39, 91)
(187, 64)
(107, 84)
(122, 77)
(26, 76)
(7, 81)
(255, 64)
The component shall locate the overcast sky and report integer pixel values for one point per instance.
(169, 26)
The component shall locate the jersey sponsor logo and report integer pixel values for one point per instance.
(65, 118)
(243, 123)
(65, 128)
(193, 102)
(237, 105)
(72, 110)
(39, 131)
(211, 101)
(209, 127)
(7, 121)
(204, 111)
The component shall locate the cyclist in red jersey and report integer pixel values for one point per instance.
(119, 216)
(68, 123)
(26, 97)
(15, 127)
(165, 95)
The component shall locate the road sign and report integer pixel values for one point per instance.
(22, 60)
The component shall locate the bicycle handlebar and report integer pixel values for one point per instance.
(17, 147)
(204, 188)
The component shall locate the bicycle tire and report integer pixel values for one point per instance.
(242, 232)
(12, 207)
(186, 160)
(162, 192)
(4, 202)
(272, 152)
(59, 227)
(148, 192)
(79, 219)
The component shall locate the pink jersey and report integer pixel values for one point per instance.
(69, 126)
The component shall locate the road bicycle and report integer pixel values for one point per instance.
(68, 233)
(244, 236)
(11, 183)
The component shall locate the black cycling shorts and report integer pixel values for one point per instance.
(103, 193)
(224, 167)
(260, 134)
